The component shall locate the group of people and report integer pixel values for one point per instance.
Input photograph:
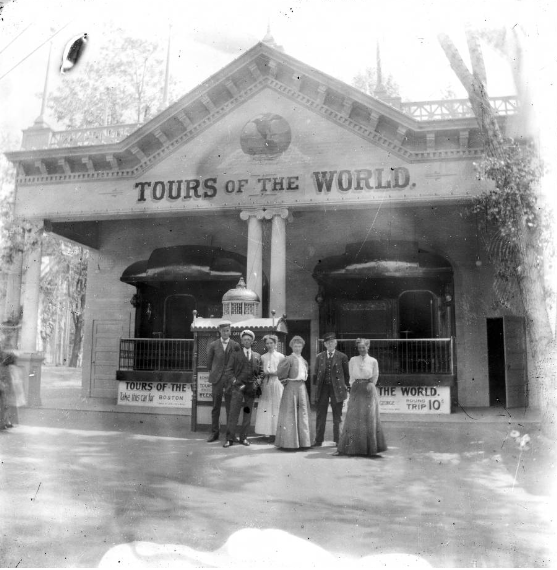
(239, 375)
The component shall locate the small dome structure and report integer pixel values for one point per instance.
(240, 302)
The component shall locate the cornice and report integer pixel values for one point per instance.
(129, 149)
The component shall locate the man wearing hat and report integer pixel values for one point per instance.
(332, 382)
(218, 355)
(243, 375)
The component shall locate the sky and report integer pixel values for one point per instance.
(337, 37)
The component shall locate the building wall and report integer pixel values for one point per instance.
(311, 235)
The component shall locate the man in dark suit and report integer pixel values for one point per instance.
(332, 382)
(218, 355)
(243, 375)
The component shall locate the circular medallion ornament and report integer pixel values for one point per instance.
(266, 136)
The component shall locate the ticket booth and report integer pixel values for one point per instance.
(239, 306)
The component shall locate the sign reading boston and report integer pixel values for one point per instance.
(324, 181)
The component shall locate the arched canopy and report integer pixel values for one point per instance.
(186, 263)
(382, 259)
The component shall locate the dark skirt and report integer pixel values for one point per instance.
(362, 433)
(293, 431)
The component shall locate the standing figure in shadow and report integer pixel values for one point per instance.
(362, 433)
(243, 376)
(271, 390)
(293, 430)
(218, 355)
(8, 410)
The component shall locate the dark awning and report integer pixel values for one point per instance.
(186, 263)
(382, 259)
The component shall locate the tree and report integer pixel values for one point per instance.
(366, 81)
(123, 84)
(514, 207)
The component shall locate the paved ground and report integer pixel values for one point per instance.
(76, 484)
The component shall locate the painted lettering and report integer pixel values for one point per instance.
(263, 182)
(192, 184)
(171, 194)
(379, 180)
(159, 190)
(210, 188)
(401, 177)
(324, 179)
(278, 184)
(142, 186)
(363, 176)
(230, 187)
(344, 180)
(292, 183)
(241, 183)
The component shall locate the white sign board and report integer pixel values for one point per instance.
(204, 389)
(158, 394)
(414, 399)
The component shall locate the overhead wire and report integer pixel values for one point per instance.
(10, 43)
(37, 48)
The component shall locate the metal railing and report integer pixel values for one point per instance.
(156, 354)
(91, 135)
(456, 108)
(405, 356)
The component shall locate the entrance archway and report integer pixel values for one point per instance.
(375, 290)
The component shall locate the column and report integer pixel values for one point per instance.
(254, 269)
(277, 297)
(28, 358)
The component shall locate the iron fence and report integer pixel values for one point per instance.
(405, 356)
(156, 354)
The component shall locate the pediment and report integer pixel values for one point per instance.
(261, 81)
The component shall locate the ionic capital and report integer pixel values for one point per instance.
(247, 214)
(270, 213)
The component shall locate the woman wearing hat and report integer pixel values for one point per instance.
(271, 390)
(293, 422)
(362, 433)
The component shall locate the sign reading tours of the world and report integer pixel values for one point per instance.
(157, 394)
(414, 399)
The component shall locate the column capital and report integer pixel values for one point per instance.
(270, 213)
(247, 214)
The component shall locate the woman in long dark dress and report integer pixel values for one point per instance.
(362, 433)
(293, 431)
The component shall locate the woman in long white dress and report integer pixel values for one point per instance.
(362, 432)
(271, 390)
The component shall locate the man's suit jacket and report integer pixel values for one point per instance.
(217, 359)
(242, 372)
(340, 375)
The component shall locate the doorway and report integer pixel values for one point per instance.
(416, 314)
(506, 357)
(496, 362)
(178, 316)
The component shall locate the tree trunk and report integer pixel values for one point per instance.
(531, 278)
(77, 341)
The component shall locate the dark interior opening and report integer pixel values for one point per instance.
(496, 362)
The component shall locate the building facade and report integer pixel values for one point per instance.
(344, 212)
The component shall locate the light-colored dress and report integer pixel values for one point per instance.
(293, 431)
(362, 433)
(271, 394)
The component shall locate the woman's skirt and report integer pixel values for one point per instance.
(293, 429)
(362, 433)
(268, 407)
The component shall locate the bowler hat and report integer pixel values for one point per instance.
(329, 336)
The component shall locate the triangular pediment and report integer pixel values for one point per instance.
(261, 74)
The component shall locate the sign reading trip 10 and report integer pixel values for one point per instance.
(324, 182)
